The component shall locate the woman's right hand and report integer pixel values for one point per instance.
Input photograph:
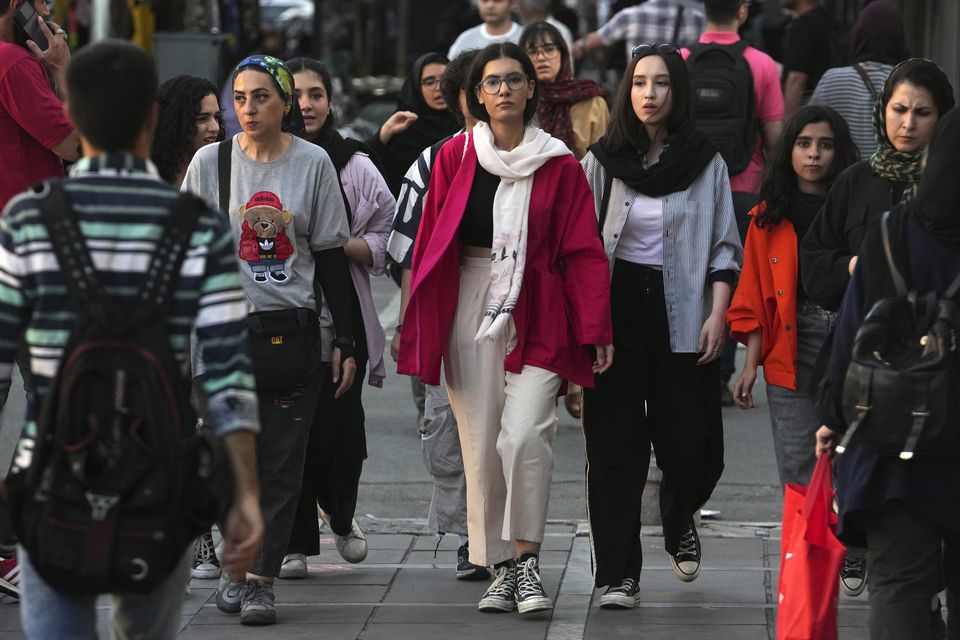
(852, 265)
(397, 123)
(743, 388)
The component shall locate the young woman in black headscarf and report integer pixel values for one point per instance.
(901, 510)
(421, 119)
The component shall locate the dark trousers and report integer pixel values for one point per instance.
(649, 396)
(743, 202)
(285, 420)
(904, 565)
(335, 454)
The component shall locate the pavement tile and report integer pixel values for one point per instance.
(290, 614)
(463, 613)
(374, 556)
(285, 629)
(387, 540)
(510, 628)
(313, 591)
(669, 632)
(679, 616)
(331, 574)
(713, 586)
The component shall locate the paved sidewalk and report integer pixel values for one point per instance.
(402, 591)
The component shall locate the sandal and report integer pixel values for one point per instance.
(573, 401)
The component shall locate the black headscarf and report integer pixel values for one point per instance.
(430, 127)
(682, 160)
(938, 198)
(877, 35)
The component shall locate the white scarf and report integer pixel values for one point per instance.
(511, 207)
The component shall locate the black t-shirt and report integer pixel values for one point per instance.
(476, 227)
(807, 46)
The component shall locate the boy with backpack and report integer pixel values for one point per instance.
(739, 105)
(108, 271)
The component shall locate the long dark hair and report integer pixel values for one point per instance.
(179, 100)
(297, 65)
(493, 52)
(779, 178)
(626, 132)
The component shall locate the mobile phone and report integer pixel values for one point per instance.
(25, 17)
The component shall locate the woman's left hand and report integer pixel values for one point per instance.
(604, 358)
(711, 338)
(827, 441)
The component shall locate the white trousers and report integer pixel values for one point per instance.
(507, 423)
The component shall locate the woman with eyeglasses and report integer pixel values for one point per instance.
(421, 119)
(572, 110)
(510, 290)
(663, 196)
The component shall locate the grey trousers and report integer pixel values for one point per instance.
(440, 446)
(793, 415)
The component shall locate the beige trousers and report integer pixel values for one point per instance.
(507, 423)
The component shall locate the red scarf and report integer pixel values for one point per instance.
(557, 97)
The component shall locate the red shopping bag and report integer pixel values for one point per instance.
(810, 560)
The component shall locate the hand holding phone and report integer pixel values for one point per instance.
(28, 21)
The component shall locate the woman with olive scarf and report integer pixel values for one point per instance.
(916, 94)
(284, 203)
(671, 238)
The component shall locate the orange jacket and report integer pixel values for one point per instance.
(766, 299)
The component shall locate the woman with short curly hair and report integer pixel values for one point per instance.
(189, 119)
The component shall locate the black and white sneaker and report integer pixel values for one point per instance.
(501, 594)
(622, 596)
(466, 570)
(206, 565)
(686, 561)
(853, 576)
(530, 594)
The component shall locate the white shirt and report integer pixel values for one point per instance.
(478, 37)
(641, 239)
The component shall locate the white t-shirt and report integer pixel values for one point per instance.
(641, 239)
(478, 37)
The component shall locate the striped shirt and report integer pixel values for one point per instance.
(654, 21)
(845, 91)
(700, 240)
(122, 207)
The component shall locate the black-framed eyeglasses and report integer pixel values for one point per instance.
(430, 82)
(549, 51)
(491, 84)
(663, 48)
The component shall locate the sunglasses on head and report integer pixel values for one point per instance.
(664, 48)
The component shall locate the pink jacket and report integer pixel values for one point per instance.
(564, 304)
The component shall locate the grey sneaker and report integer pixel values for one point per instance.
(258, 608)
(353, 546)
(294, 566)
(531, 596)
(501, 595)
(229, 594)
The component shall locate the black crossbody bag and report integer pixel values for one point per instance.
(284, 344)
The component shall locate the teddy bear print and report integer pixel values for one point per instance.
(264, 244)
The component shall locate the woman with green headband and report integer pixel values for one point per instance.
(282, 196)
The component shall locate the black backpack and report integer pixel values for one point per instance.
(901, 394)
(120, 481)
(724, 102)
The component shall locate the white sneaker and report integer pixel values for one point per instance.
(294, 566)
(353, 546)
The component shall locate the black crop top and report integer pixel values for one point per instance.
(476, 227)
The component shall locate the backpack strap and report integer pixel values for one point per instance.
(954, 287)
(898, 282)
(677, 23)
(866, 80)
(224, 152)
(605, 199)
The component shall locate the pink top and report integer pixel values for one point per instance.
(31, 123)
(564, 303)
(768, 98)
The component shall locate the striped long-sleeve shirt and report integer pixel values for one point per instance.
(122, 206)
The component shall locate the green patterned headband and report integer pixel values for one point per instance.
(276, 69)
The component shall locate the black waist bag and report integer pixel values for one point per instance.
(284, 347)
(901, 394)
(119, 481)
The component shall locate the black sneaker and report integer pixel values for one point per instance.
(853, 576)
(686, 561)
(206, 565)
(501, 594)
(530, 594)
(466, 570)
(621, 596)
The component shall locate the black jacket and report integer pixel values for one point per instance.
(857, 198)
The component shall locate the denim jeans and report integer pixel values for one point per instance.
(46, 613)
(793, 415)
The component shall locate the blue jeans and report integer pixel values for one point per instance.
(46, 613)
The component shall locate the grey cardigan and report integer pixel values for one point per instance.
(699, 238)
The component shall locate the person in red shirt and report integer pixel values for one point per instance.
(35, 134)
(783, 330)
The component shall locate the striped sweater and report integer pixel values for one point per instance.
(122, 207)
